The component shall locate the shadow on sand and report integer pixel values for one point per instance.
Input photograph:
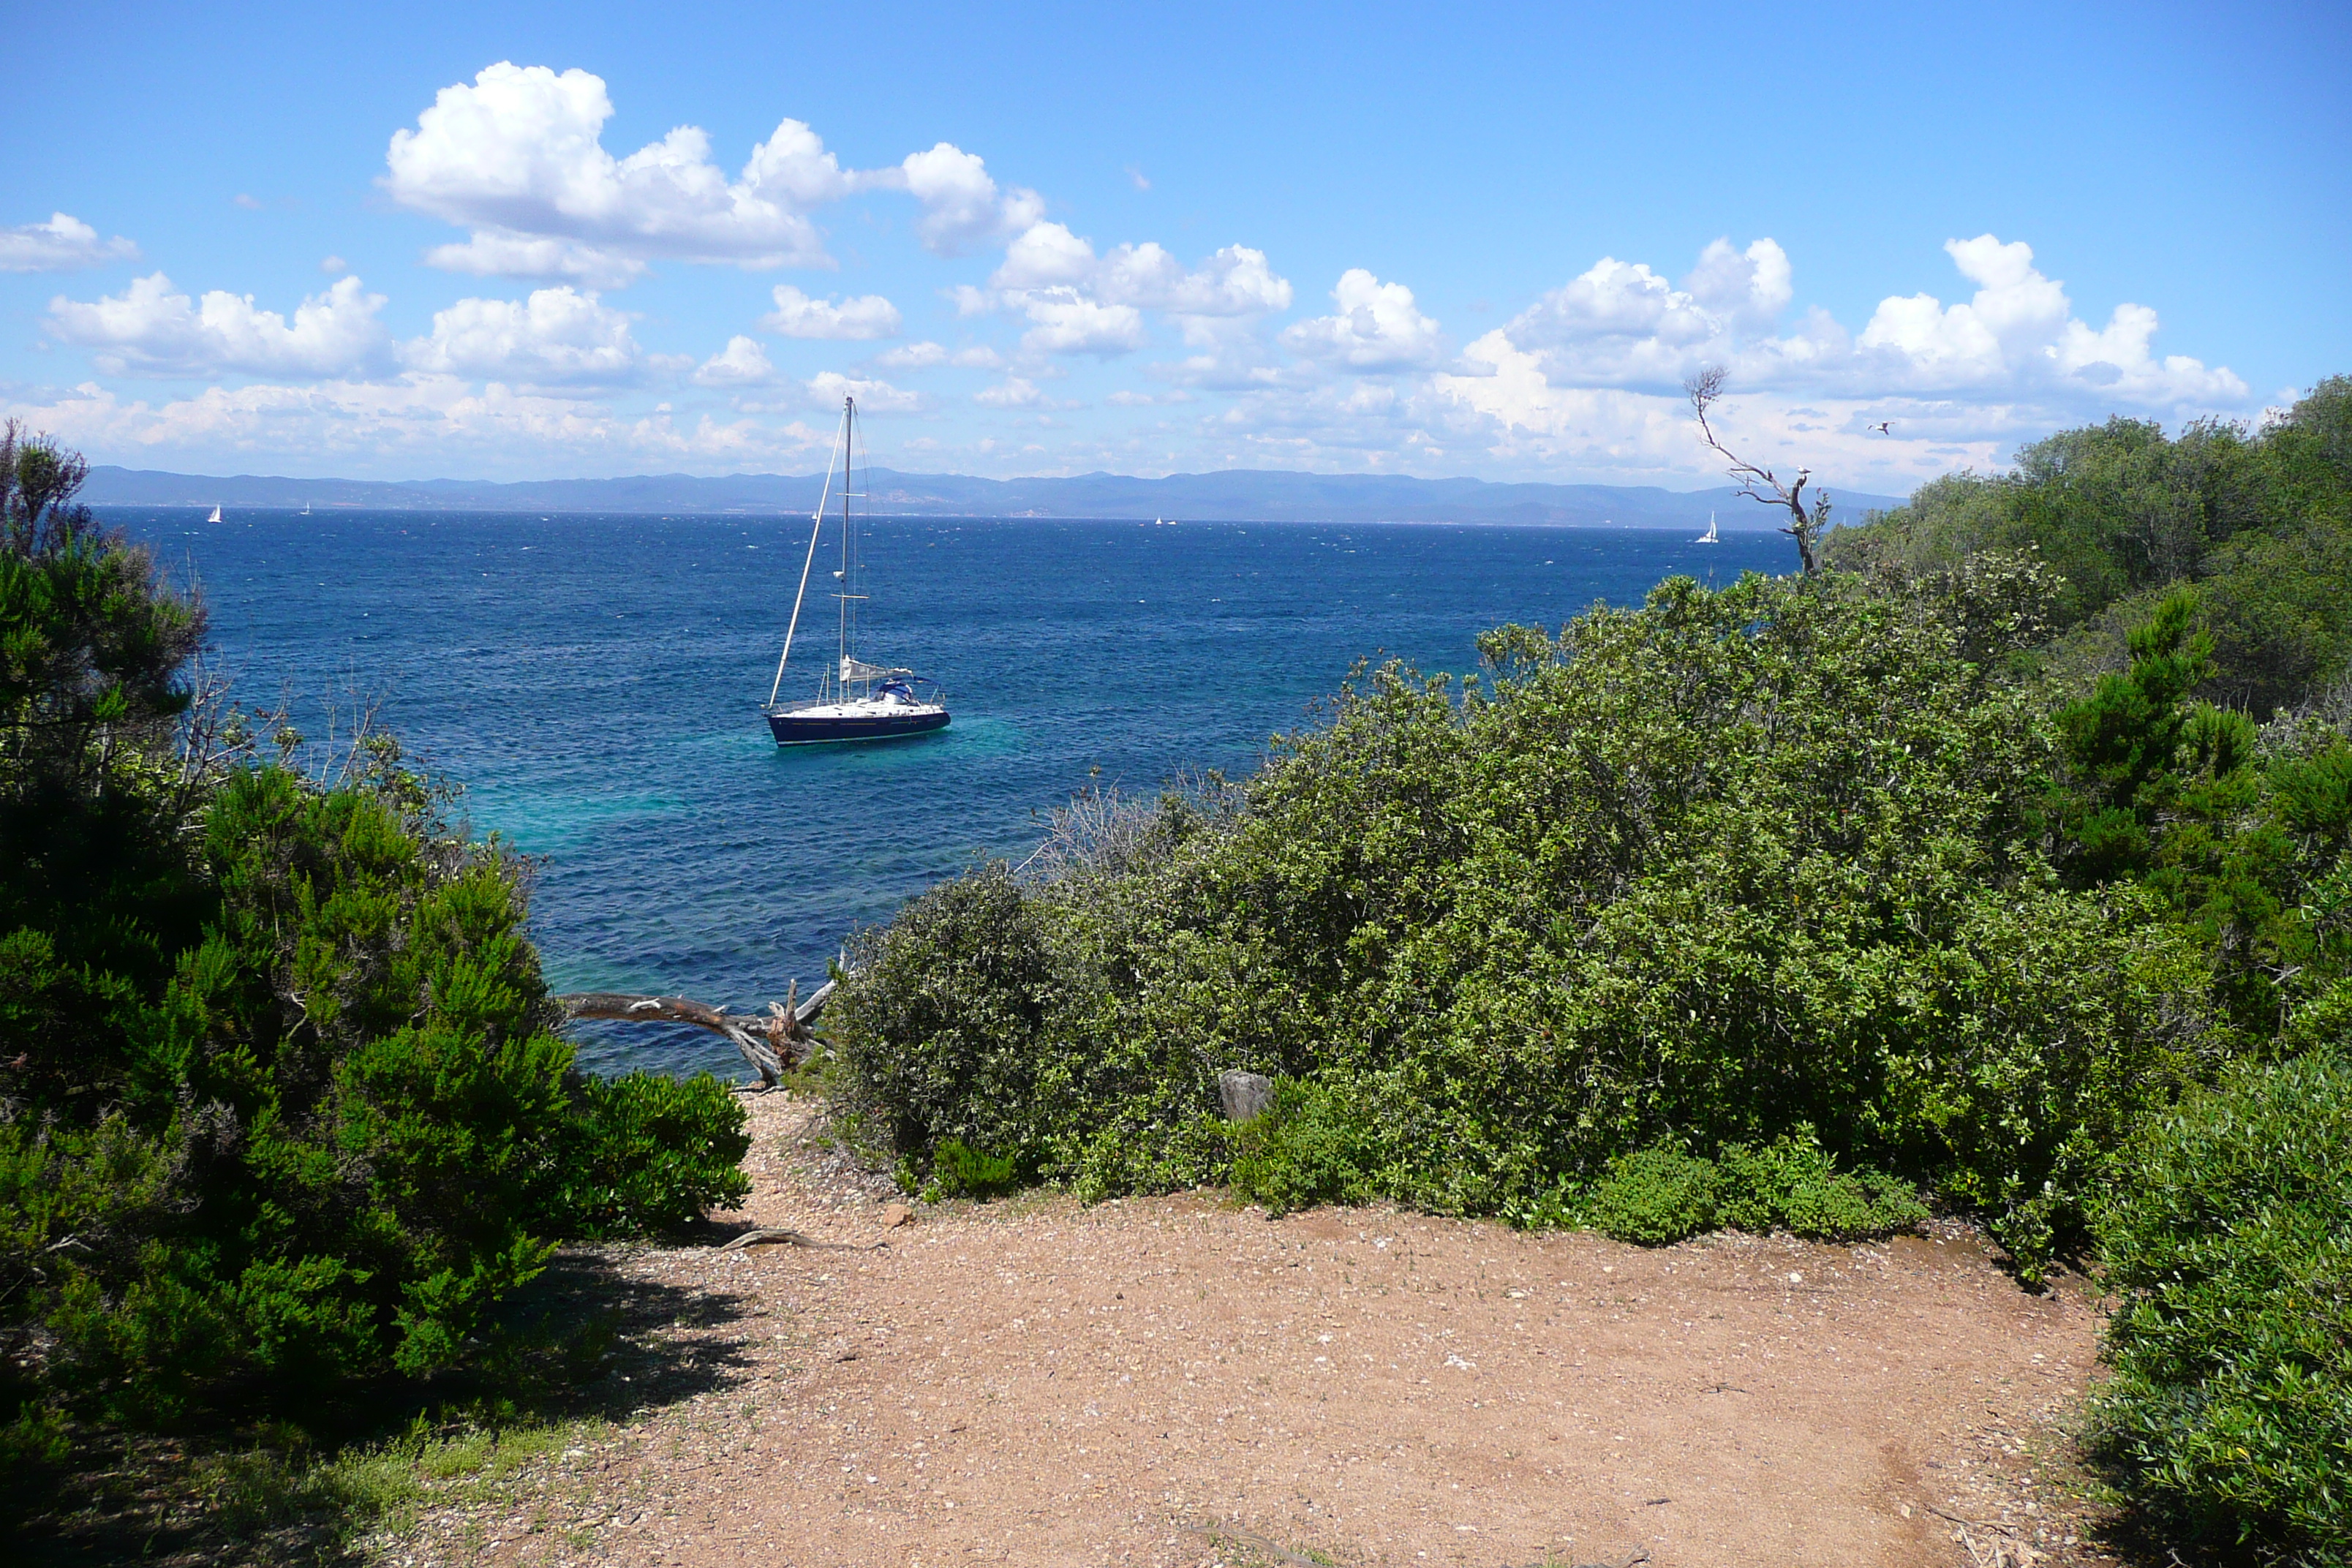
(584, 1342)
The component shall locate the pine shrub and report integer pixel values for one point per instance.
(2228, 1410)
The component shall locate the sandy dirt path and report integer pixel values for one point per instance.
(1177, 1382)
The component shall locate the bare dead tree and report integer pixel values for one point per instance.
(774, 1043)
(1806, 524)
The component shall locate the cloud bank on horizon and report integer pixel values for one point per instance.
(1219, 361)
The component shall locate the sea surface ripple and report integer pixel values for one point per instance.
(594, 683)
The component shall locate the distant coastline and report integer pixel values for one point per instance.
(1236, 495)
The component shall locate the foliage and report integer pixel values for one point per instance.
(1793, 1183)
(2261, 521)
(281, 1112)
(2230, 1408)
(648, 1154)
(1712, 870)
(962, 979)
(959, 1171)
(2246, 848)
(1654, 1195)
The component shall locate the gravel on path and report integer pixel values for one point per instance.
(1175, 1382)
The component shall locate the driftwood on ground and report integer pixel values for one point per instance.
(774, 1042)
(768, 1233)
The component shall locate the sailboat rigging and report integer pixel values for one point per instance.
(855, 700)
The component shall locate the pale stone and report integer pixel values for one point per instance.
(1244, 1096)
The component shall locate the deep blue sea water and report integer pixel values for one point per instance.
(594, 684)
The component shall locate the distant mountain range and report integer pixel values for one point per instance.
(1233, 495)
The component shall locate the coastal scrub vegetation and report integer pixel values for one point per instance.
(2005, 860)
(284, 1128)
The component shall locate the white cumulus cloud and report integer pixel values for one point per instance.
(1235, 281)
(150, 328)
(1377, 326)
(963, 209)
(742, 363)
(558, 337)
(1013, 391)
(1747, 287)
(64, 244)
(1081, 302)
(921, 355)
(1067, 322)
(827, 388)
(927, 355)
(517, 156)
(416, 423)
(501, 252)
(798, 316)
(2019, 332)
(1591, 375)
(1622, 324)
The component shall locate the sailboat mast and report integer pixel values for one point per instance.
(817, 526)
(849, 584)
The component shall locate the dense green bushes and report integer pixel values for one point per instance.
(648, 1154)
(342, 1132)
(2224, 1229)
(1960, 868)
(1711, 871)
(1302, 1154)
(2262, 522)
(281, 1114)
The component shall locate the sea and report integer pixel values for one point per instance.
(593, 686)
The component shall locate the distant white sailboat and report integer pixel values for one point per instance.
(215, 516)
(1709, 536)
(306, 508)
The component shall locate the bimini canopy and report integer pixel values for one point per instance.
(852, 669)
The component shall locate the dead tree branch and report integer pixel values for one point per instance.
(774, 1042)
(1806, 524)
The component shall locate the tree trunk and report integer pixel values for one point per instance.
(774, 1042)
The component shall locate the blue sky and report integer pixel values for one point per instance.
(516, 241)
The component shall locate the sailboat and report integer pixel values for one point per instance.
(1709, 536)
(306, 508)
(215, 516)
(855, 700)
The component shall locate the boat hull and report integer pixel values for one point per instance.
(812, 729)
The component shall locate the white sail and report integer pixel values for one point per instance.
(1709, 536)
(215, 516)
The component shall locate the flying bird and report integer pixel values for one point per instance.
(1881, 428)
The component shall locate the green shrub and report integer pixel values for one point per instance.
(280, 1111)
(1664, 1193)
(2229, 1413)
(958, 986)
(343, 1136)
(1655, 1196)
(1794, 1185)
(1308, 1147)
(959, 1171)
(651, 1153)
(1719, 868)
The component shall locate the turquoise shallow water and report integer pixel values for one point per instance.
(594, 684)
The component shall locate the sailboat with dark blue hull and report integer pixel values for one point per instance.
(855, 700)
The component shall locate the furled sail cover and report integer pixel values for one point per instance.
(851, 669)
